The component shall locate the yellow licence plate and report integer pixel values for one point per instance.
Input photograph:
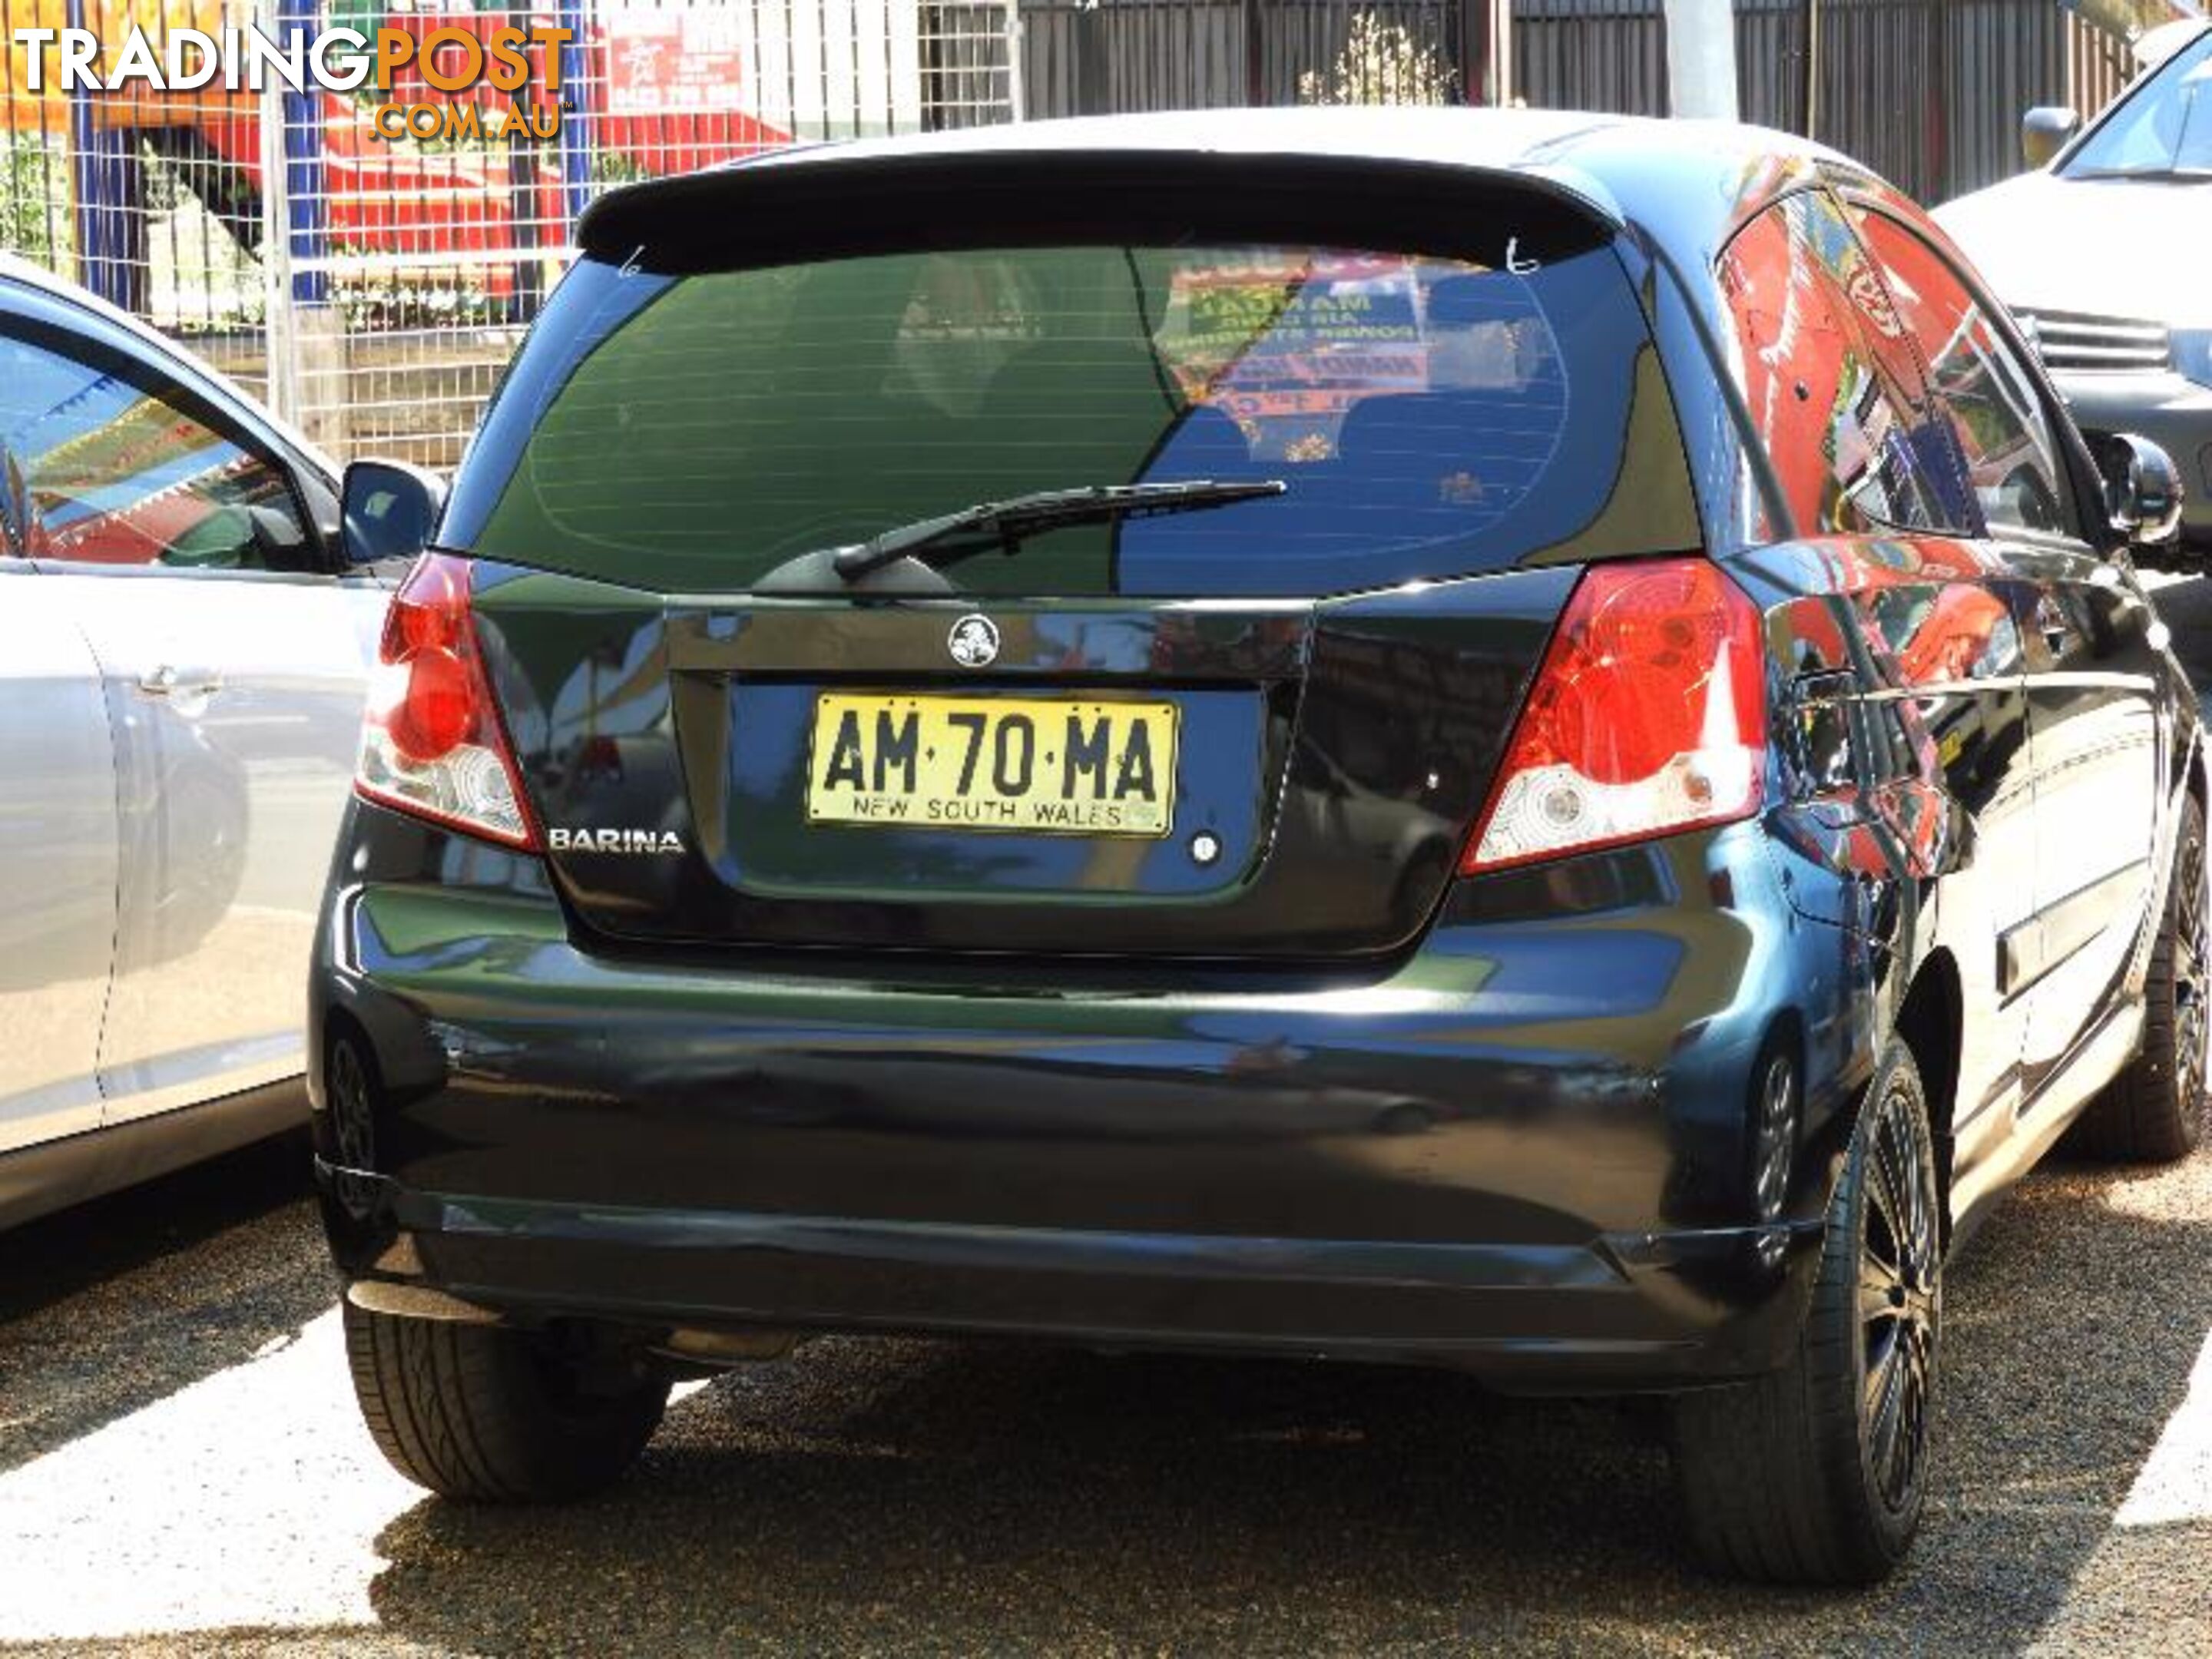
(1051, 765)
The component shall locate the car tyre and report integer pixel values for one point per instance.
(1816, 1473)
(494, 1414)
(2153, 1112)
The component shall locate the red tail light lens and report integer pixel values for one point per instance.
(432, 743)
(1648, 717)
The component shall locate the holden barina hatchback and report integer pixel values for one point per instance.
(1519, 741)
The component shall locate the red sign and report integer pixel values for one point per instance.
(671, 63)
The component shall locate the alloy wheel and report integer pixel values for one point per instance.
(2192, 1025)
(353, 1126)
(1899, 1301)
(1776, 1132)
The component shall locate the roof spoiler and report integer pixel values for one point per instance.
(825, 204)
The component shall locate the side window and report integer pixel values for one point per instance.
(1837, 398)
(108, 466)
(1997, 415)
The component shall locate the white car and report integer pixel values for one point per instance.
(183, 656)
(2103, 256)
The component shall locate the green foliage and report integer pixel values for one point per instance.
(34, 199)
(388, 301)
(611, 167)
(1380, 64)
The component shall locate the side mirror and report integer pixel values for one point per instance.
(391, 510)
(2046, 130)
(2142, 488)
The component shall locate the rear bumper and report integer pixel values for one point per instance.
(1525, 1151)
(1630, 1311)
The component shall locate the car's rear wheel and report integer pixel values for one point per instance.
(2155, 1111)
(483, 1412)
(1817, 1473)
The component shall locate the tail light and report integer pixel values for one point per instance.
(1648, 717)
(432, 743)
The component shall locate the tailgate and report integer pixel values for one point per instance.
(1197, 778)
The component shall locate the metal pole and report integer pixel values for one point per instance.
(1498, 88)
(302, 116)
(1938, 184)
(1017, 93)
(85, 182)
(576, 120)
(280, 370)
(1481, 25)
(1256, 61)
(1812, 67)
(525, 203)
(105, 176)
(1466, 23)
(1701, 59)
(1090, 36)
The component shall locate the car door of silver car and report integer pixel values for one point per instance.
(57, 861)
(232, 664)
(2093, 729)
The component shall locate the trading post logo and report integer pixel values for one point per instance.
(428, 85)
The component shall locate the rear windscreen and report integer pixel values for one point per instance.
(1428, 415)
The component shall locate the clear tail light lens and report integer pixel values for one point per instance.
(432, 743)
(1648, 717)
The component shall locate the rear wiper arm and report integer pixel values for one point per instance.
(1004, 524)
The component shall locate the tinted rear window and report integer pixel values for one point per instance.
(1431, 415)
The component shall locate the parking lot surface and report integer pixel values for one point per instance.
(181, 1470)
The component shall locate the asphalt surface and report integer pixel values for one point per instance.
(182, 1471)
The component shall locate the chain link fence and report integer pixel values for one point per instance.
(372, 286)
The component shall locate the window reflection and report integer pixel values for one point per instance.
(1829, 379)
(1995, 414)
(105, 470)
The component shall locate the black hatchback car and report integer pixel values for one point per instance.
(1520, 742)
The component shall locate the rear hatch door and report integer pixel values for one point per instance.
(1287, 778)
(1258, 728)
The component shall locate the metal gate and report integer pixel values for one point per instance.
(1927, 92)
(372, 287)
(1100, 56)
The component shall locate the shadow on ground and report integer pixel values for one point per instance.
(120, 1303)
(913, 1496)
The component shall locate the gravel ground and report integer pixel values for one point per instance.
(182, 1471)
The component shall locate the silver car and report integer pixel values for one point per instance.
(2103, 255)
(182, 664)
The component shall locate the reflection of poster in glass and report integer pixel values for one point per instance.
(1307, 336)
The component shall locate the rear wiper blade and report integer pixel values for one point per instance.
(1004, 524)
